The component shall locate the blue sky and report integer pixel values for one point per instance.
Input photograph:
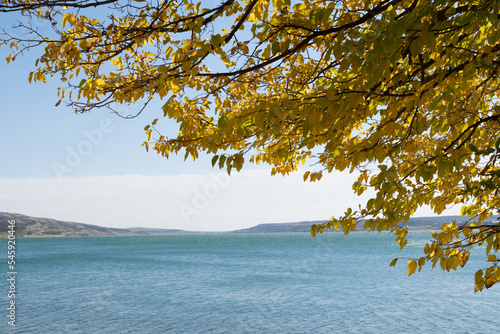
(91, 168)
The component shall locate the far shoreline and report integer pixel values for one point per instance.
(5, 236)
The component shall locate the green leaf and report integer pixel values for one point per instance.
(214, 160)
(369, 204)
(222, 160)
(217, 38)
(275, 47)
(305, 127)
(328, 53)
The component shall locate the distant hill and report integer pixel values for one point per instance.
(46, 227)
(304, 226)
(418, 223)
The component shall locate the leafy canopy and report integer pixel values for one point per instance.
(403, 92)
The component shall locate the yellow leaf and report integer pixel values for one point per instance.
(412, 267)
(434, 234)
(174, 87)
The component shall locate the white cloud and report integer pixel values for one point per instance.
(206, 202)
(209, 202)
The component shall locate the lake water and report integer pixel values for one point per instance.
(240, 283)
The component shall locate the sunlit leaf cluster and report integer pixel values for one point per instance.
(402, 92)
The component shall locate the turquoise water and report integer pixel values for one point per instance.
(240, 283)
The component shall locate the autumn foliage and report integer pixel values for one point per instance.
(402, 92)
